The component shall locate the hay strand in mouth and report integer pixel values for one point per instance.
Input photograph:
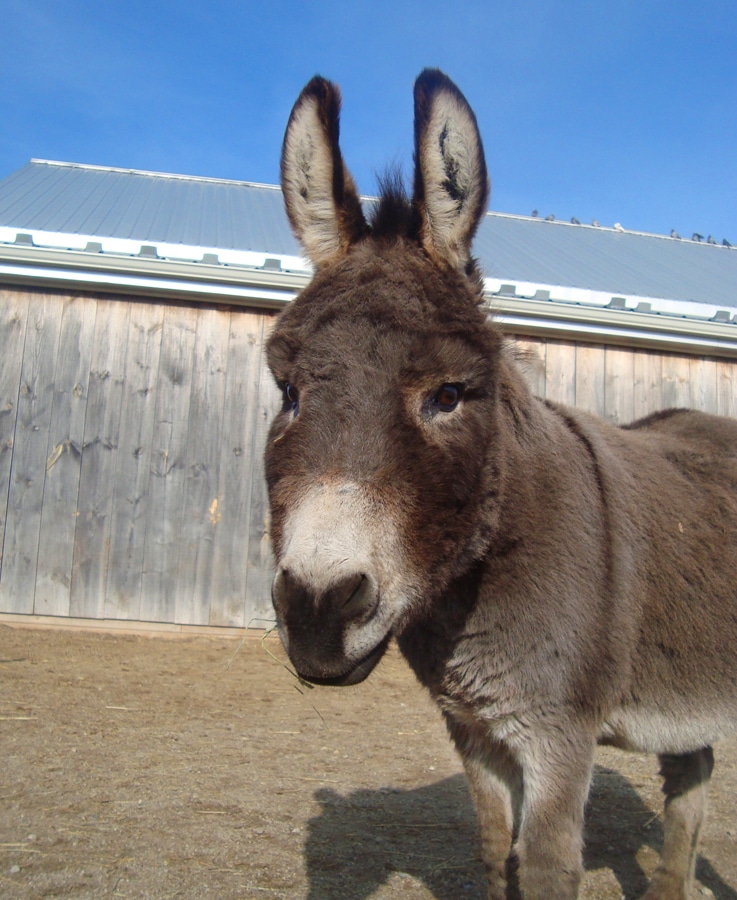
(298, 678)
(289, 669)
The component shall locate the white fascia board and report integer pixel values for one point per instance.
(120, 283)
(593, 298)
(127, 247)
(604, 325)
(691, 341)
(519, 307)
(209, 281)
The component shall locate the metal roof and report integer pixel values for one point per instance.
(229, 215)
(145, 206)
(607, 259)
(66, 221)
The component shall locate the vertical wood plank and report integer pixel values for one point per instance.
(30, 450)
(531, 355)
(201, 487)
(702, 375)
(64, 463)
(169, 447)
(230, 551)
(648, 383)
(133, 463)
(260, 563)
(726, 388)
(590, 378)
(101, 435)
(13, 317)
(676, 381)
(619, 391)
(560, 372)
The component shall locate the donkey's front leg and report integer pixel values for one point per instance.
(496, 788)
(556, 773)
(686, 781)
(495, 781)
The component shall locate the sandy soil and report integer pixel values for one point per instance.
(133, 766)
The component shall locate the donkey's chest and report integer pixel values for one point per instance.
(504, 723)
(475, 681)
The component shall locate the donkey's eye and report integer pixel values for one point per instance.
(445, 399)
(291, 397)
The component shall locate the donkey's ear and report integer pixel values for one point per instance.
(320, 196)
(451, 185)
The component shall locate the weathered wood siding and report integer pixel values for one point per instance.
(623, 384)
(131, 442)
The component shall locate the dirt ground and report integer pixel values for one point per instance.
(133, 766)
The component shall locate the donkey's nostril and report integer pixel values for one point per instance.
(349, 597)
(280, 588)
(341, 593)
(353, 596)
(358, 590)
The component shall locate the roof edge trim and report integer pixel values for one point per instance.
(268, 288)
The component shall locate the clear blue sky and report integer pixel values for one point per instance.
(620, 111)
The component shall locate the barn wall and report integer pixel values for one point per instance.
(131, 439)
(622, 383)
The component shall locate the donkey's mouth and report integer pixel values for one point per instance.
(357, 674)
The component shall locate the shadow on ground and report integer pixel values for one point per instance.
(359, 842)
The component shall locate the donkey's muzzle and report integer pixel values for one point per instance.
(355, 675)
(314, 624)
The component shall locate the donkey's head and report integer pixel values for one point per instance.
(381, 464)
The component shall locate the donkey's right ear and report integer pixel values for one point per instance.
(320, 197)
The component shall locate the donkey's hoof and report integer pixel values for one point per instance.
(666, 887)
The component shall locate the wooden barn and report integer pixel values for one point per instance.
(134, 399)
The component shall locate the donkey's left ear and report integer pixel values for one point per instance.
(451, 187)
(320, 197)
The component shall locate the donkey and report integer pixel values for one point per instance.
(553, 580)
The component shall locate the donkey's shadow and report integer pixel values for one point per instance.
(429, 835)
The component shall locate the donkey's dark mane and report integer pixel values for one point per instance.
(394, 216)
(654, 417)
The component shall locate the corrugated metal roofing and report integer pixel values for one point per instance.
(154, 208)
(148, 207)
(605, 259)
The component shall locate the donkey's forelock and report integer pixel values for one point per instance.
(393, 215)
(396, 216)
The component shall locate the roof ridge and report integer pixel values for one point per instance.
(152, 174)
(368, 198)
(617, 229)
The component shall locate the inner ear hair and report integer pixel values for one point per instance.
(321, 199)
(451, 183)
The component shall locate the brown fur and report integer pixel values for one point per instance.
(552, 579)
